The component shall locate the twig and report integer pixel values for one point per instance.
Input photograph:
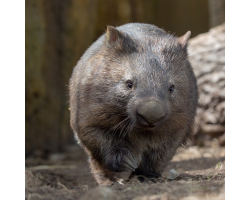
(51, 167)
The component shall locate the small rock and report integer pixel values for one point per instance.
(173, 174)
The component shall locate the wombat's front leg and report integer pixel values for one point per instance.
(153, 163)
(118, 167)
(120, 159)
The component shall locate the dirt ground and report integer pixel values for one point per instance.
(67, 176)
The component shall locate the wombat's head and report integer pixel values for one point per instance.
(144, 81)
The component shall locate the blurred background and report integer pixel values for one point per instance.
(58, 32)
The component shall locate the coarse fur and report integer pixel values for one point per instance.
(104, 110)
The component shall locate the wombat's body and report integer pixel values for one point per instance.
(133, 98)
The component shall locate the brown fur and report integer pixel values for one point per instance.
(103, 110)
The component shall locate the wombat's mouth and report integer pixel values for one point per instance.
(148, 127)
(142, 123)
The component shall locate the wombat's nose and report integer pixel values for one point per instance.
(151, 112)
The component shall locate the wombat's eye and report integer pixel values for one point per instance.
(171, 88)
(129, 84)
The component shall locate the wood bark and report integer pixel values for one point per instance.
(207, 56)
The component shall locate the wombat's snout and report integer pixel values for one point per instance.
(150, 113)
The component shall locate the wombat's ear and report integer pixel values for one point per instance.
(184, 39)
(113, 36)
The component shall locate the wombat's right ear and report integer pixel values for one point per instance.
(184, 39)
(114, 37)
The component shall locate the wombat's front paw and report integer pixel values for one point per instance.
(121, 159)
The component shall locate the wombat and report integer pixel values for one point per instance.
(133, 99)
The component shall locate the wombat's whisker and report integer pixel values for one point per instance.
(120, 123)
(130, 126)
(178, 124)
(114, 130)
(123, 133)
(128, 129)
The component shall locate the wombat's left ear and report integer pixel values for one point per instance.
(113, 36)
(184, 39)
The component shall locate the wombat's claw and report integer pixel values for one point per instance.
(128, 168)
(130, 163)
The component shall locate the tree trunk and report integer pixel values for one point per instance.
(216, 12)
